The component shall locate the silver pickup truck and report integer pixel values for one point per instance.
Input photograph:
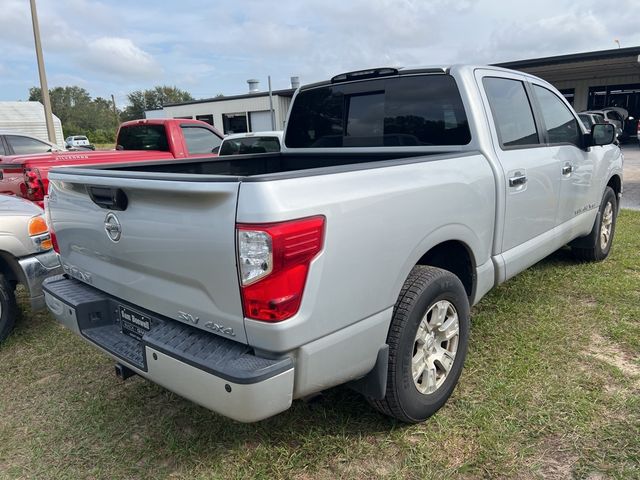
(400, 198)
(26, 257)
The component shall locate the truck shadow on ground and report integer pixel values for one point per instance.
(92, 414)
(160, 427)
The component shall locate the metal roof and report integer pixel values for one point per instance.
(572, 57)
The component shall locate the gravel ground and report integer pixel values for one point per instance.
(631, 196)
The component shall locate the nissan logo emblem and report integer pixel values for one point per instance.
(112, 227)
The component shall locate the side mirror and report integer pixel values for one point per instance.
(602, 134)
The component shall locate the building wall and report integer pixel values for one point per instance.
(28, 117)
(581, 87)
(241, 105)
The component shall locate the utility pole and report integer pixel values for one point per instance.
(273, 114)
(115, 110)
(44, 89)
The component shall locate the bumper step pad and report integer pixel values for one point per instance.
(98, 321)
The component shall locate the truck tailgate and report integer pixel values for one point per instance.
(169, 248)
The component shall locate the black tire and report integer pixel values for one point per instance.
(594, 251)
(423, 288)
(8, 308)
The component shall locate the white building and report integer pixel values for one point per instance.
(238, 113)
(28, 117)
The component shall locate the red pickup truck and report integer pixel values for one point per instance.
(137, 141)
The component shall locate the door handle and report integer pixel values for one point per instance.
(109, 198)
(517, 180)
(567, 169)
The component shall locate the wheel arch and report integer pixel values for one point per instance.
(455, 248)
(10, 269)
(456, 257)
(615, 182)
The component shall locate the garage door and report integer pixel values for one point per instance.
(260, 121)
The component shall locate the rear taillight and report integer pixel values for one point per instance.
(273, 263)
(33, 188)
(52, 234)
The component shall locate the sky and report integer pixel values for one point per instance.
(212, 47)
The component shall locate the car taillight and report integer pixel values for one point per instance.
(39, 234)
(32, 188)
(52, 234)
(273, 263)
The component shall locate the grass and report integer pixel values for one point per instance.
(550, 390)
(104, 146)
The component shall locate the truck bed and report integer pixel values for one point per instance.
(258, 165)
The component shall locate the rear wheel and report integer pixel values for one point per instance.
(8, 308)
(427, 344)
(603, 232)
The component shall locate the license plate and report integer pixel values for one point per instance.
(134, 324)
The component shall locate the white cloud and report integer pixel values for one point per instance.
(212, 47)
(565, 33)
(120, 57)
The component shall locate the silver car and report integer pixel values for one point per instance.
(26, 257)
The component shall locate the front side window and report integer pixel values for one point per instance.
(511, 111)
(586, 120)
(200, 140)
(562, 126)
(420, 110)
(26, 145)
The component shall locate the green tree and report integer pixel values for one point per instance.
(80, 114)
(153, 99)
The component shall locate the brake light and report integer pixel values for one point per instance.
(273, 263)
(32, 188)
(52, 234)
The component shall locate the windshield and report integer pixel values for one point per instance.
(143, 137)
(417, 110)
(240, 146)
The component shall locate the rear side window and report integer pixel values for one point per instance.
(511, 111)
(242, 146)
(200, 140)
(422, 110)
(25, 145)
(561, 125)
(143, 137)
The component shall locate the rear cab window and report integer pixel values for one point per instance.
(247, 145)
(412, 110)
(143, 137)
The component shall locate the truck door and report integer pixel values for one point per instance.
(531, 175)
(579, 193)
